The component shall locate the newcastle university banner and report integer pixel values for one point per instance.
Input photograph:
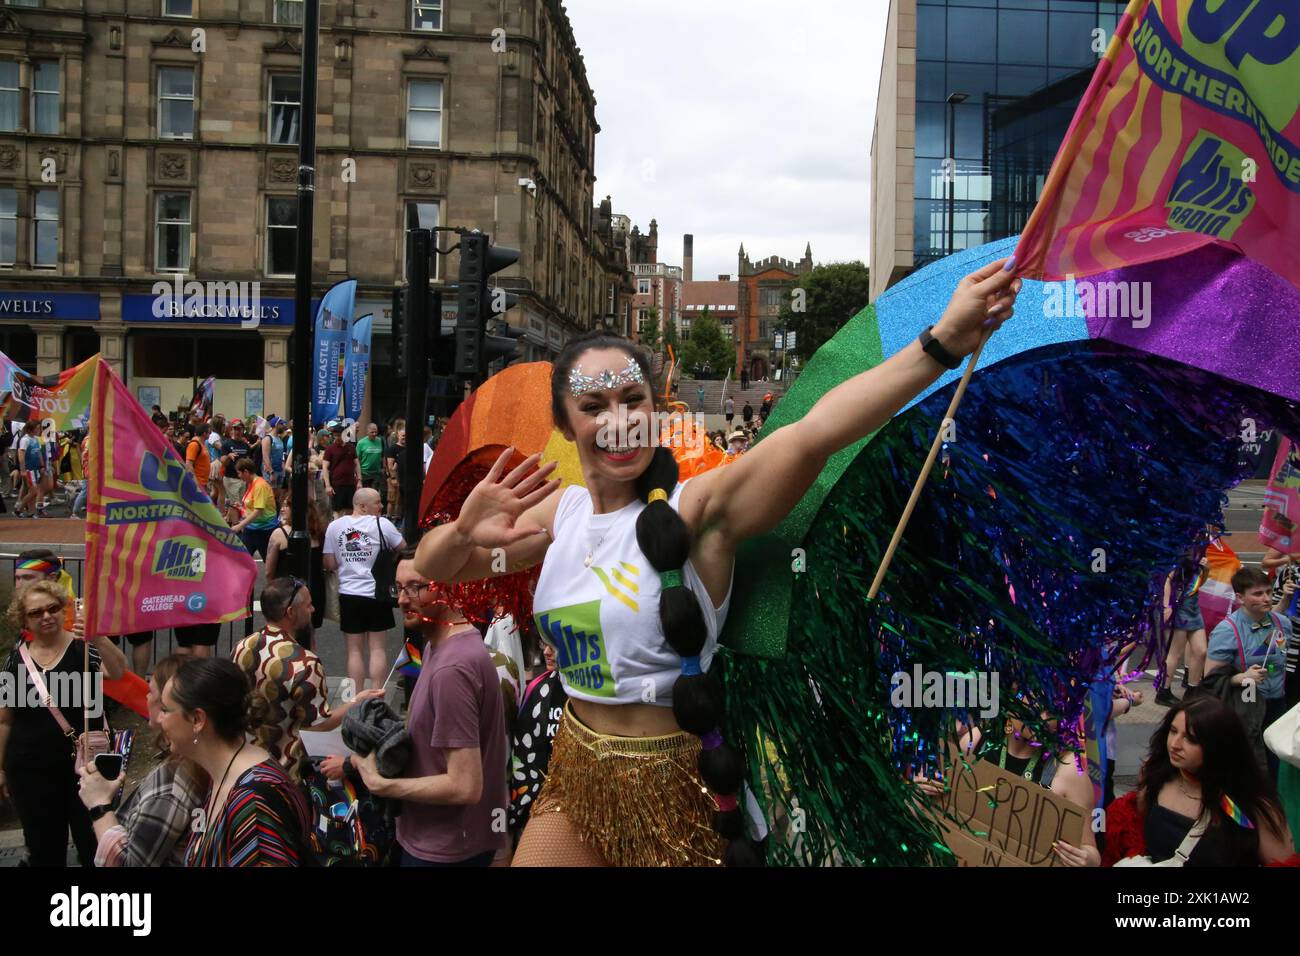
(332, 344)
(1187, 135)
(158, 553)
(358, 369)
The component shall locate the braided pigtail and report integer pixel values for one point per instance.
(665, 540)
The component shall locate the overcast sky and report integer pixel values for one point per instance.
(736, 121)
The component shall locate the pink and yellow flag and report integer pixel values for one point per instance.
(1282, 498)
(1187, 135)
(158, 553)
(64, 398)
(1216, 596)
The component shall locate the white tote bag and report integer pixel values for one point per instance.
(1283, 737)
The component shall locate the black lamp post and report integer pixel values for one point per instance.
(300, 384)
(951, 171)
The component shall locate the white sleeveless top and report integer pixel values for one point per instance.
(603, 621)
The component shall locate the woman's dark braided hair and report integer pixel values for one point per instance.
(666, 541)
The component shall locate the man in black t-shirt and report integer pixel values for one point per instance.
(233, 447)
(393, 471)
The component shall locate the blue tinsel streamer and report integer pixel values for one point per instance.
(1059, 452)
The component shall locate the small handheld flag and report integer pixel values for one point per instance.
(409, 661)
(1234, 812)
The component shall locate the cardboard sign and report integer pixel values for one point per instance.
(995, 818)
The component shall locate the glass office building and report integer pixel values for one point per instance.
(1022, 67)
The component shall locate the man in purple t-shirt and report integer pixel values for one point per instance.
(454, 797)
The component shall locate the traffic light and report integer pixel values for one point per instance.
(479, 260)
(502, 346)
(399, 331)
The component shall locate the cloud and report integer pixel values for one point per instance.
(736, 122)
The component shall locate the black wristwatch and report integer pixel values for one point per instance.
(99, 811)
(936, 351)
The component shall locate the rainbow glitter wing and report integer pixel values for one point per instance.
(1081, 472)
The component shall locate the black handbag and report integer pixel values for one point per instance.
(384, 570)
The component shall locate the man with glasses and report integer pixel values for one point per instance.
(453, 795)
(282, 668)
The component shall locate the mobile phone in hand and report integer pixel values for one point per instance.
(109, 765)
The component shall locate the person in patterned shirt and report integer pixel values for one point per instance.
(280, 668)
(534, 729)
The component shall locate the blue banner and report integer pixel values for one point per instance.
(164, 309)
(28, 306)
(358, 369)
(333, 345)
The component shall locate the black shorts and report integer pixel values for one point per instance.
(357, 615)
(137, 638)
(204, 635)
(342, 500)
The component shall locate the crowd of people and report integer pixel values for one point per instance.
(42, 467)
(612, 752)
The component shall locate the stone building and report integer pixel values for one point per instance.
(142, 140)
(764, 289)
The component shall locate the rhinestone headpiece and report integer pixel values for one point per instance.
(580, 384)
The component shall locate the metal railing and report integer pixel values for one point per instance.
(232, 632)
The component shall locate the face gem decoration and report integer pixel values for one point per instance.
(580, 384)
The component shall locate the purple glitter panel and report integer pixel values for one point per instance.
(1211, 309)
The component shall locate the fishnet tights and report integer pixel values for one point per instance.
(550, 839)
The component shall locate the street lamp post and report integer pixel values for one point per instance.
(950, 173)
(300, 386)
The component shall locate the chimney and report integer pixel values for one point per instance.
(688, 256)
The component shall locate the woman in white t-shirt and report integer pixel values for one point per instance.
(352, 543)
(636, 580)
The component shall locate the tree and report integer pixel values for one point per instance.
(708, 346)
(649, 332)
(823, 301)
(670, 338)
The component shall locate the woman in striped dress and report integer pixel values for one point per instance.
(254, 815)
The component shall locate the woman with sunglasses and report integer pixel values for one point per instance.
(37, 771)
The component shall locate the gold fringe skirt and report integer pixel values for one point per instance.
(637, 801)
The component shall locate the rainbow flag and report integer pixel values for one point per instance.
(1216, 596)
(158, 553)
(7, 369)
(1234, 812)
(1186, 136)
(410, 661)
(64, 398)
(201, 403)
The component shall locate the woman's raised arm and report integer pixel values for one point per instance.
(506, 518)
(753, 494)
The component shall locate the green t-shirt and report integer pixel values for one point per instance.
(370, 451)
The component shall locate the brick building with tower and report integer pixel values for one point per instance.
(763, 291)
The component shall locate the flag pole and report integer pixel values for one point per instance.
(925, 469)
(300, 385)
